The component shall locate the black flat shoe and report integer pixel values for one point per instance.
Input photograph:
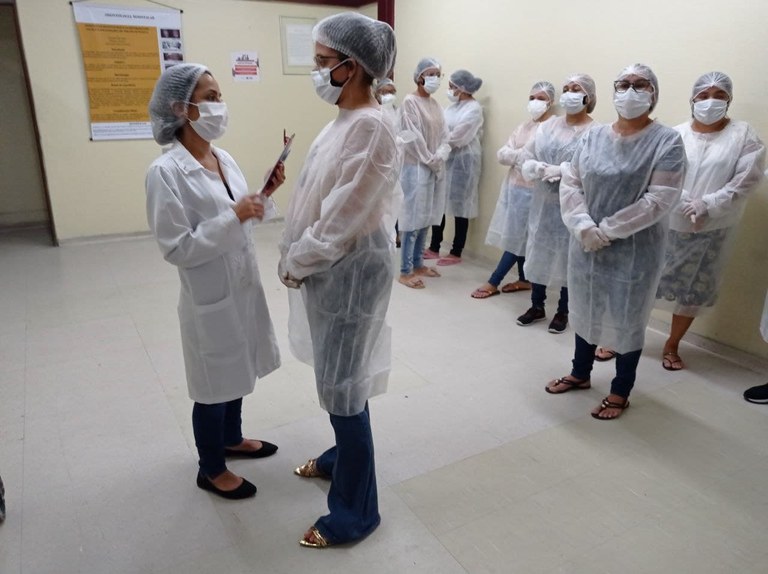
(245, 490)
(267, 449)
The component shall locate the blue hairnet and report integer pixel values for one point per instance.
(588, 85)
(465, 81)
(546, 87)
(369, 42)
(378, 84)
(710, 79)
(175, 85)
(425, 64)
(646, 73)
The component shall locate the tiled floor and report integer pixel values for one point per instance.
(479, 469)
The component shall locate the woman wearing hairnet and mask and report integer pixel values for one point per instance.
(337, 250)
(616, 196)
(464, 121)
(202, 215)
(546, 256)
(422, 177)
(726, 159)
(509, 225)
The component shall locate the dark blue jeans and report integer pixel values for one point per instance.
(539, 295)
(626, 367)
(216, 426)
(459, 238)
(506, 263)
(352, 498)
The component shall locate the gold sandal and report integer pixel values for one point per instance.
(310, 470)
(320, 541)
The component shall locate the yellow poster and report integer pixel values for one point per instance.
(124, 52)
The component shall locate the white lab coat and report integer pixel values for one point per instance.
(226, 331)
(423, 173)
(339, 238)
(464, 122)
(627, 185)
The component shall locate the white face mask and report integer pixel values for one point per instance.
(710, 111)
(322, 80)
(537, 108)
(573, 102)
(213, 120)
(632, 104)
(431, 84)
(388, 99)
(453, 97)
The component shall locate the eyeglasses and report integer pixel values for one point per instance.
(622, 86)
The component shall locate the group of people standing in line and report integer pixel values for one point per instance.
(618, 218)
(584, 208)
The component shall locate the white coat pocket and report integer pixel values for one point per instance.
(219, 329)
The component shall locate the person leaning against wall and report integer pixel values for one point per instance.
(202, 215)
(616, 196)
(464, 121)
(726, 159)
(336, 256)
(509, 225)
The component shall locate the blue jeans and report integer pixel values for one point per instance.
(626, 367)
(506, 263)
(216, 427)
(352, 498)
(539, 295)
(412, 250)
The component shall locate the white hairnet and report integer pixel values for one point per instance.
(174, 85)
(383, 82)
(465, 81)
(710, 79)
(425, 64)
(646, 73)
(369, 42)
(588, 85)
(546, 87)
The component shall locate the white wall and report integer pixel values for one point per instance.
(22, 198)
(512, 44)
(97, 188)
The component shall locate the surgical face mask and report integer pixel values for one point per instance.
(388, 99)
(632, 104)
(453, 97)
(710, 111)
(213, 120)
(324, 88)
(431, 84)
(572, 102)
(537, 108)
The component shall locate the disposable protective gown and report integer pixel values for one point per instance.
(627, 185)
(339, 238)
(464, 122)
(509, 225)
(723, 169)
(423, 173)
(546, 254)
(226, 331)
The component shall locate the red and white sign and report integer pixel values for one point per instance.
(246, 67)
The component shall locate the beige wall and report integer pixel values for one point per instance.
(512, 44)
(97, 188)
(22, 199)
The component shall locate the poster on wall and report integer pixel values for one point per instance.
(124, 50)
(246, 67)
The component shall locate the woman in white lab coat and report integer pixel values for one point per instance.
(200, 211)
(726, 159)
(336, 253)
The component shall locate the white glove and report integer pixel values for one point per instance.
(552, 173)
(533, 169)
(443, 152)
(593, 239)
(695, 209)
(436, 164)
(290, 281)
